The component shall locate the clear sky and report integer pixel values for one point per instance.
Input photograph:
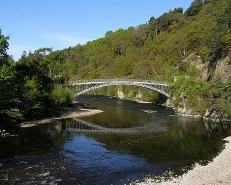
(33, 24)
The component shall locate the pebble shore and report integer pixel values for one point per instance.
(215, 173)
(71, 113)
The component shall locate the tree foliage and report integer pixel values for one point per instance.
(9, 100)
(157, 50)
(61, 96)
(218, 96)
(27, 86)
(3, 48)
(8, 86)
(194, 9)
(162, 43)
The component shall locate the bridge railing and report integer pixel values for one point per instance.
(117, 80)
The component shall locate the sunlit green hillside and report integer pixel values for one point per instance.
(189, 48)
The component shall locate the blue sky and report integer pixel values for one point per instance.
(33, 24)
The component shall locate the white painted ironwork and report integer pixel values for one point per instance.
(83, 86)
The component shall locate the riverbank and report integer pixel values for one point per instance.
(71, 112)
(216, 172)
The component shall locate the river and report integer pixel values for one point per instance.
(125, 143)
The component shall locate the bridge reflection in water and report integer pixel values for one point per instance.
(78, 125)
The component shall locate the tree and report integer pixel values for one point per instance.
(61, 96)
(32, 73)
(194, 9)
(8, 86)
(3, 48)
(108, 33)
(8, 95)
(153, 26)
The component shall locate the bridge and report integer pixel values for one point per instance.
(83, 86)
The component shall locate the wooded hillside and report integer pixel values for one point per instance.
(195, 43)
(192, 46)
(155, 50)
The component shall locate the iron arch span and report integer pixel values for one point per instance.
(83, 86)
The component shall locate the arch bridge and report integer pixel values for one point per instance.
(83, 86)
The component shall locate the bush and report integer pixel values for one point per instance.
(218, 97)
(194, 90)
(61, 96)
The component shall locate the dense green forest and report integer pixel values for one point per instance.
(27, 89)
(191, 49)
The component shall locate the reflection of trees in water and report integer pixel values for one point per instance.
(182, 139)
(58, 132)
(58, 127)
(186, 122)
(215, 128)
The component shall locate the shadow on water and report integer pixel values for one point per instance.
(126, 142)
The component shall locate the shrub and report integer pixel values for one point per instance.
(61, 96)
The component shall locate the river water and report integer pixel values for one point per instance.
(125, 143)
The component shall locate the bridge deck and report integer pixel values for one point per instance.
(118, 80)
(83, 86)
